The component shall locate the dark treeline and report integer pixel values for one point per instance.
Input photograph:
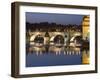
(51, 26)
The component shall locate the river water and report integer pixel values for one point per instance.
(51, 59)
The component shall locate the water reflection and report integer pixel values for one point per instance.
(57, 50)
(53, 56)
(51, 59)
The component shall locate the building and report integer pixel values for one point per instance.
(85, 35)
(85, 27)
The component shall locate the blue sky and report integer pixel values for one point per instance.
(54, 18)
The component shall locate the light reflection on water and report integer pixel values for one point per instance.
(54, 49)
(53, 56)
(51, 59)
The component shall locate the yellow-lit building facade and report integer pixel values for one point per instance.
(85, 27)
(85, 35)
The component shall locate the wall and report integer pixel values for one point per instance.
(5, 40)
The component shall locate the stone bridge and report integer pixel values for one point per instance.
(68, 38)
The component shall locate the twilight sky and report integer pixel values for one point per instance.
(54, 18)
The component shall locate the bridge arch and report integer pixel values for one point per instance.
(75, 35)
(37, 38)
(59, 39)
(76, 40)
(34, 36)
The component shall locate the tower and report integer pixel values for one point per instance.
(85, 36)
(85, 27)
